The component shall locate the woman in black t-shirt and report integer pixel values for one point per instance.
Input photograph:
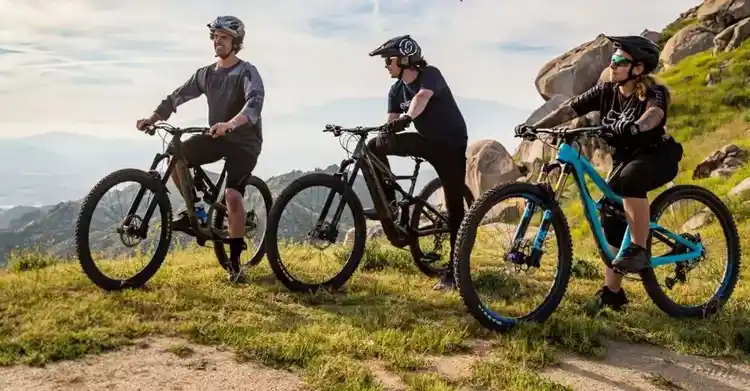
(633, 108)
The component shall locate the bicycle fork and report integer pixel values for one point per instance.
(530, 208)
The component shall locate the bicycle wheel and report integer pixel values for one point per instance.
(320, 235)
(261, 198)
(128, 227)
(663, 203)
(509, 288)
(427, 261)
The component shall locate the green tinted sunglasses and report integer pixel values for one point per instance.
(620, 60)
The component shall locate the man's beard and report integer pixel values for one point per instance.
(217, 53)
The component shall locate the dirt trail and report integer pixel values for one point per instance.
(172, 364)
(641, 367)
(156, 364)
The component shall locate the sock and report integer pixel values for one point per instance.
(236, 245)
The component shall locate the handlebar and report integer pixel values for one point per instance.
(337, 130)
(173, 130)
(561, 132)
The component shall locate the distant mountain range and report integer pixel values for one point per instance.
(51, 227)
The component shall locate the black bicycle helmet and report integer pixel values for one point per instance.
(404, 47)
(642, 50)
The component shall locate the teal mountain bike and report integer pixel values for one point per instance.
(686, 250)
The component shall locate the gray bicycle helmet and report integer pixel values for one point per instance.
(404, 47)
(231, 25)
(642, 49)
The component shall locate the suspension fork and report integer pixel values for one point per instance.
(530, 208)
(161, 192)
(349, 183)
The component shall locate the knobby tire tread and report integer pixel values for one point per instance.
(467, 233)
(83, 224)
(360, 227)
(724, 216)
(415, 249)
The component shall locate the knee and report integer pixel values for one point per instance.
(234, 198)
(374, 144)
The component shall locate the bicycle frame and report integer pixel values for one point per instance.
(198, 181)
(572, 161)
(366, 161)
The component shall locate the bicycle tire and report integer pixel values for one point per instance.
(272, 250)
(83, 224)
(416, 251)
(465, 242)
(732, 273)
(218, 223)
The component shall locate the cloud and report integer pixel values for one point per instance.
(95, 66)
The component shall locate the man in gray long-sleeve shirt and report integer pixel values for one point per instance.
(234, 91)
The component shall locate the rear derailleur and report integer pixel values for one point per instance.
(683, 267)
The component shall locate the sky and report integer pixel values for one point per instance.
(95, 66)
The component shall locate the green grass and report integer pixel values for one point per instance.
(698, 108)
(386, 313)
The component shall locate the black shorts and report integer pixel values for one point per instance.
(240, 162)
(635, 176)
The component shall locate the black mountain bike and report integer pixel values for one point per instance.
(399, 232)
(133, 227)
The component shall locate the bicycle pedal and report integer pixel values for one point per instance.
(430, 258)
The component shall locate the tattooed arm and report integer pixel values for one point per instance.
(577, 106)
(650, 119)
(656, 108)
(563, 114)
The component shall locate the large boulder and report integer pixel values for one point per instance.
(488, 163)
(652, 35)
(720, 14)
(690, 40)
(732, 37)
(576, 70)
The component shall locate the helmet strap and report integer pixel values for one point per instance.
(630, 76)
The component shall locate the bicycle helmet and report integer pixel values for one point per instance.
(642, 50)
(404, 47)
(231, 25)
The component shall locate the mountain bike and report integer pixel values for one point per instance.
(686, 250)
(401, 232)
(132, 229)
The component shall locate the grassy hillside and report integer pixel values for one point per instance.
(49, 311)
(388, 313)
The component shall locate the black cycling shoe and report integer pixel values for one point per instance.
(447, 282)
(633, 260)
(236, 272)
(372, 213)
(614, 300)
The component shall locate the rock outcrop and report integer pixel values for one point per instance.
(576, 70)
(690, 40)
(720, 14)
(721, 25)
(732, 37)
(722, 163)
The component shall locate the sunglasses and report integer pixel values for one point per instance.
(620, 60)
(389, 60)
